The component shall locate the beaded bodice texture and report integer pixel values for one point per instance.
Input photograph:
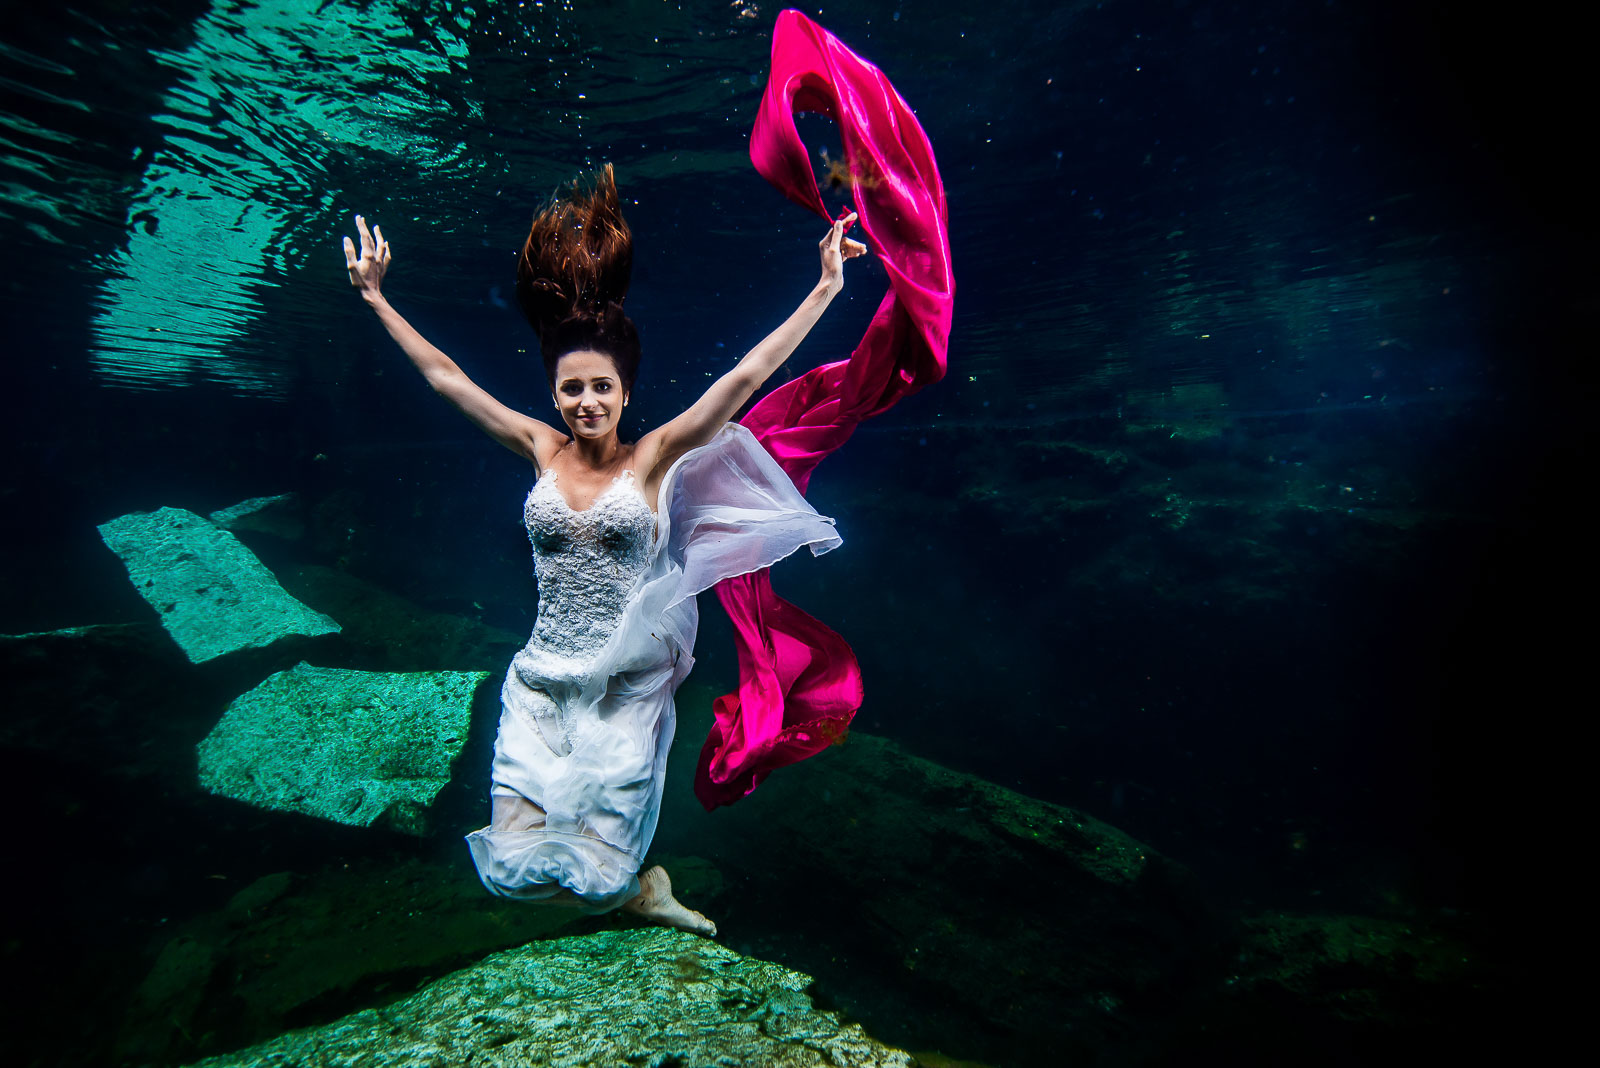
(586, 562)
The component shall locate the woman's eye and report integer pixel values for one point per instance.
(602, 387)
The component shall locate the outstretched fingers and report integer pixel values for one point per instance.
(367, 262)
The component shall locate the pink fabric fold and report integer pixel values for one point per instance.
(799, 683)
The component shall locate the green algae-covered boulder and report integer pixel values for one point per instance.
(357, 747)
(212, 594)
(626, 997)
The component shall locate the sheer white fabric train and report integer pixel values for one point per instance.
(587, 716)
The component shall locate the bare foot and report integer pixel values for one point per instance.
(656, 904)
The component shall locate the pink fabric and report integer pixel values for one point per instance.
(799, 684)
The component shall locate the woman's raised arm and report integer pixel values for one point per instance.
(701, 421)
(523, 435)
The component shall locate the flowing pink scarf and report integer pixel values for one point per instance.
(799, 683)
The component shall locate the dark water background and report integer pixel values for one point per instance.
(1238, 522)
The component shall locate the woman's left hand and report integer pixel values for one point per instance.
(836, 248)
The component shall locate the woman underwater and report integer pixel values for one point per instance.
(623, 535)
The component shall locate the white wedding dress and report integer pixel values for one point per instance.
(586, 709)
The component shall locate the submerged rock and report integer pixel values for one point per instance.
(169, 995)
(282, 516)
(212, 594)
(384, 631)
(643, 996)
(1342, 989)
(356, 747)
(918, 877)
(305, 949)
(119, 697)
(1356, 969)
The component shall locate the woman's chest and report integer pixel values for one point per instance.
(617, 524)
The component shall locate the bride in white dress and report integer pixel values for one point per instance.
(624, 535)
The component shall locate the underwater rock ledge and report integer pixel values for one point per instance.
(911, 876)
(211, 593)
(643, 996)
(356, 747)
(923, 879)
(282, 516)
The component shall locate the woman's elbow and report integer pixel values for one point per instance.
(743, 383)
(445, 381)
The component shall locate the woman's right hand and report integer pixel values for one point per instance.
(366, 270)
(836, 248)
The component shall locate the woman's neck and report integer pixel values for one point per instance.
(599, 454)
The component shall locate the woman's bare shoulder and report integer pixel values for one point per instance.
(647, 455)
(547, 441)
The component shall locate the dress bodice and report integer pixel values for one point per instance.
(586, 562)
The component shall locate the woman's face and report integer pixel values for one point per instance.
(589, 393)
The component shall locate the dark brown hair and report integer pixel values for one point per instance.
(573, 275)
